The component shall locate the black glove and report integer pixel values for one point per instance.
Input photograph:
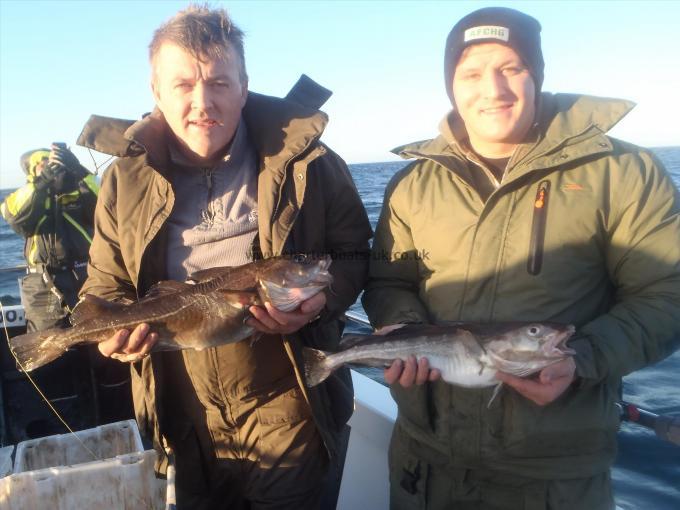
(49, 176)
(60, 155)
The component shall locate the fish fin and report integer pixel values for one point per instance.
(36, 349)
(242, 298)
(205, 275)
(316, 368)
(386, 330)
(496, 391)
(165, 288)
(415, 329)
(471, 342)
(91, 306)
(348, 341)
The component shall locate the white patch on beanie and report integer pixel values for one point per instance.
(487, 32)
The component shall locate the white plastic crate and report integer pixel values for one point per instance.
(105, 441)
(6, 460)
(126, 482)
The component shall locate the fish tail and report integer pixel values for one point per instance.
(36, 349)
(317, 368)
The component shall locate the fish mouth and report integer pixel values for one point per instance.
(307, 271)
(306, 278)
(556, 346)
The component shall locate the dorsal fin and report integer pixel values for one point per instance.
(348, 341)
(208, 274)
(91, 306)
(386, 330)
(165, 288)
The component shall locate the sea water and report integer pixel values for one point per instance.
(647, 470)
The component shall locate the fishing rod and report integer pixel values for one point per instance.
(12, 269)
(665, 427)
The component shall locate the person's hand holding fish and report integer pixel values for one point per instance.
(271, 320)
(551, 382)
(411, 371)
(127, 346)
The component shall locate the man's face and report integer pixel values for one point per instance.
(201, 101)
(494, 94)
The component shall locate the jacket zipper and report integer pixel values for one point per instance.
(209, 213)
(538, 224)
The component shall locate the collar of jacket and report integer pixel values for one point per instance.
(279, 129)
(569, 127)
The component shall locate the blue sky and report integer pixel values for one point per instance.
(61, 61)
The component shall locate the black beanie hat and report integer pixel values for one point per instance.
(500, 25)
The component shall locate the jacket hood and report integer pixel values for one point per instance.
(279, 129)
(563, 120)
(29, 160)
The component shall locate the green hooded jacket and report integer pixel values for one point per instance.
(582, 229)
(306, 199)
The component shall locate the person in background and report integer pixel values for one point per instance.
(522, 209)
(54, 213)
(219, 176)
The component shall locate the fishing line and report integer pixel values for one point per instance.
(56, 413)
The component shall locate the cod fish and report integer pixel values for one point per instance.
(466, 354)
(205, 314)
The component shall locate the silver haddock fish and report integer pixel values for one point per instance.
(208, 313)
(466, 354)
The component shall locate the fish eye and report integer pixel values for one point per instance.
(534, 330)
(299, 258)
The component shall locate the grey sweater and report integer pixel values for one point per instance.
(214, 220)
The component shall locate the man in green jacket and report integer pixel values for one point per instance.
(216, 176)
(523, 209)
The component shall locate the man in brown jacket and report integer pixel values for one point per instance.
(215, 176)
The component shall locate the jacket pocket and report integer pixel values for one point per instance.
(288, 407)
(538, 225)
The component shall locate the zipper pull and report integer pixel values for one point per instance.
(208, 214)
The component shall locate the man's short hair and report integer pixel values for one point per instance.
(203, 32)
